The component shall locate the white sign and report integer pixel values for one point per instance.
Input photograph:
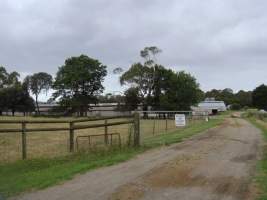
(180, 120)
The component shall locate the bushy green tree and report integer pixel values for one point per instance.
(143, 76)
(14, 96)
(235, 106)
(8, 79)
(179, 92)
(162, 77)
(140, 76)
(259, 97)
(16, 99)
(132, 99)
(244, 98)
(164, 89)
(78, 82)
(227, 95)
(159, 87)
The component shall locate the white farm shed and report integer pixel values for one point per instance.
(211, 106)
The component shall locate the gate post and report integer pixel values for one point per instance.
(71, 137)
(106, 132)
(136, 129)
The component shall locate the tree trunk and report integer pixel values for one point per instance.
(13, 112)
(145, 108)
(37, 105)
(81, 111)
(85, 111)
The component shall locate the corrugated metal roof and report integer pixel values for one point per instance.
(212, 105)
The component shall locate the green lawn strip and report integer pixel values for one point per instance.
(178, 136)
(28, 175)
(40, 173)
(261, 177)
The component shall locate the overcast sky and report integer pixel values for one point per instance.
(222, 43)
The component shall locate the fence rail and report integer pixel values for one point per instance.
(61, 121)
(166, 114)
(72, 127)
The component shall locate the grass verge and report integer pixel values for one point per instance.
(261, 177)
(34, 174)
(178, 136)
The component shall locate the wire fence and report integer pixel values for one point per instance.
(161, 122)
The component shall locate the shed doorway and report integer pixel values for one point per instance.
(214, 111)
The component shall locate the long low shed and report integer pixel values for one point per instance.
(211, 106)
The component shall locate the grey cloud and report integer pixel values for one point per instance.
(222, 43)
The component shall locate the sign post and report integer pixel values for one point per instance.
(180, 120)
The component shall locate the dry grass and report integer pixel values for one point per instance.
(52, 144)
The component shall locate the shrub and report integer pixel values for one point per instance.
(235, 106)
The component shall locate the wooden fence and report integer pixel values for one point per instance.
(134, 119)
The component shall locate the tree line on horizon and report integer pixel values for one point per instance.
(78, 83)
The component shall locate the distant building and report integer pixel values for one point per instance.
(101, 109)
(211, 106)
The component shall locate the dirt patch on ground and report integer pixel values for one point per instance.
(129, 192)
(244, 158)
(215, 165)
(175, 176)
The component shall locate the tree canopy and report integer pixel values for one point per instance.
(139, 76)
(37, 84)
(162, 88)
(242, 98)
(14, 95)
(259, 97)
(179, 91)
(132, 98)
(8, 79)
(78, 82)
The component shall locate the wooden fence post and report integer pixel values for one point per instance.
(71, 137)
(136, 129)
(24, 141)
(106, 132)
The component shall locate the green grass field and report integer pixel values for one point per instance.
(21, 176)
(261, 178)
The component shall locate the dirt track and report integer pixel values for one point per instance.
(217, 164)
